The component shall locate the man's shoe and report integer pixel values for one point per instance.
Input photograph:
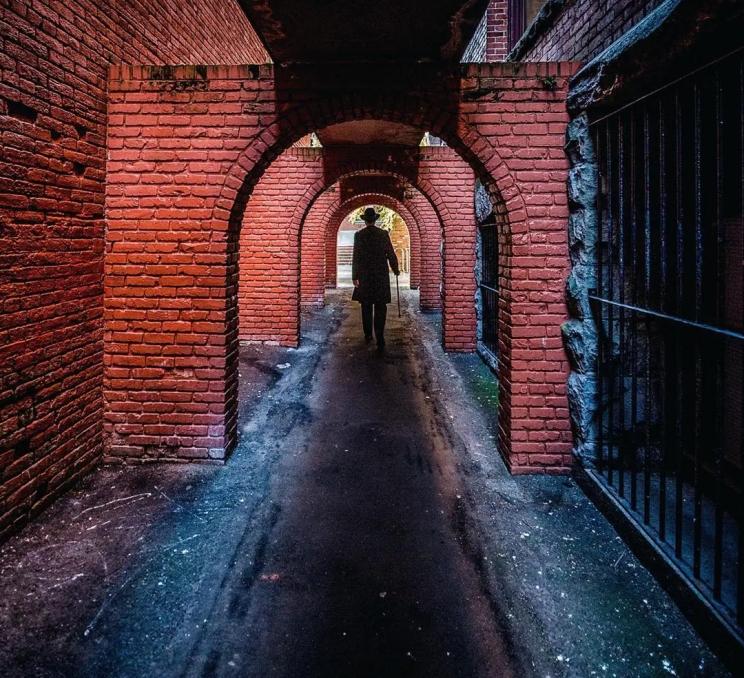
(381, 346)
(367, 338)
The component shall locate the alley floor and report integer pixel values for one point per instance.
(364, 527)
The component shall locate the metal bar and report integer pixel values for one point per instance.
(702, 327)
(697, 406)
(621, 294)
(679, 391)
(740, 517)
(633, 320)
(609, 359)
(647, 294)
(664, 344)
(600, 205)
(667, 85)
(718, 364)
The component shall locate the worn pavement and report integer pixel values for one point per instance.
(364, 527)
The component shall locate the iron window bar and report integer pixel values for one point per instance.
(692, 324)
(669, 309)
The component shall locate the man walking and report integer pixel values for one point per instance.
(369, 271)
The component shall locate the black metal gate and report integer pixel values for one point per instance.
(669, 307)
(489, 296)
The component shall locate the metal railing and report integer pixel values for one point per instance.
(489, 295)
(669, 308)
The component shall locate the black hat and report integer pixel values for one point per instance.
(370, 216)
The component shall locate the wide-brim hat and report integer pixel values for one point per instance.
(370, 215)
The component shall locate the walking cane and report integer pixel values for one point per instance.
(397, 287)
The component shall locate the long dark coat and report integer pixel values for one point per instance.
(372, 252)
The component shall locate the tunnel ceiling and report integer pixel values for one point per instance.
(364, 31)
(370, 132)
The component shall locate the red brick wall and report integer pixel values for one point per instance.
(581, 29)
(489, 43)
(269, 289)
(54, 59)
(496, 37)
(503, 121)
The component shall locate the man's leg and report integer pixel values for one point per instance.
(380, 316)
(367, 320)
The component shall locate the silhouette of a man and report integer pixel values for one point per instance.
(369, 271)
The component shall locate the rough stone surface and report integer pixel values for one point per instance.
(483, 205)
(579, 333)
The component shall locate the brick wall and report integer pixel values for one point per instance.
(54, 59)
(269, 282)
(578, 30)
(205, 136)
(489, 42)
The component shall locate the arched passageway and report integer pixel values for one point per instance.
(531, 436)
(394, 224)
(168, 294)
(318, 256)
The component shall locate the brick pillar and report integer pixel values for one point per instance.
(269, 287)
(170, 324)
(415, 274)
(430, 293)
(315, 267)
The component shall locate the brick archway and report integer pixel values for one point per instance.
(412, 221)
(475, 149)
(269, 284)
(503, 120)
(404, 171)
(319, 233)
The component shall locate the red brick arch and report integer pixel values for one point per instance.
(330, 221)
(426, 238)
(210, 133)
(405, 170)
(424, 208)
(407, 212)
(270, 279)
(318, 244)
(476, 149)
